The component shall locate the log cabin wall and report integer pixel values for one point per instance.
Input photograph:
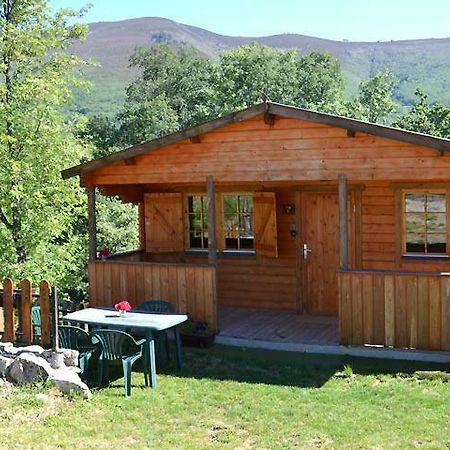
(282, 157)
(253, 281)
(287, 151)
(381, 232)
(262, 282)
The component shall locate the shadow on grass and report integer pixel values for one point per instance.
(283, 368)
(273, 367)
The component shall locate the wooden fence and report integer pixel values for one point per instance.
(23, 310)
(403, 310)
(191, 288)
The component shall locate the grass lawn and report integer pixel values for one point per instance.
(229, 398)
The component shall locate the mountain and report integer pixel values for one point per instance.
(424, 62)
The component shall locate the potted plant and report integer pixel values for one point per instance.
(196, 333)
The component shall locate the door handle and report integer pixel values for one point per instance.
(306, 251)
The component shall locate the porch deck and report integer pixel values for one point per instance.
(277, 326)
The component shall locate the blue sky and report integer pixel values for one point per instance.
(355, 20)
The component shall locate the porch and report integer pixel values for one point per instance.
(277, 326)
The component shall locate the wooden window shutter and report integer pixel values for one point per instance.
(164, 223)
(265, 223)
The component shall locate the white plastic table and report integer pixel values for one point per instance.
(148, 322)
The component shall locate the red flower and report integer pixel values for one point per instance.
(123, 305)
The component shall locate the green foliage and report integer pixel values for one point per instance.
(374, 102)
(178, 88)
(249, 74)
(117, 225)
(39, 212)
(319, 84)
(426, 118)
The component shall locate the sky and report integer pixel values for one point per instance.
(355, 20)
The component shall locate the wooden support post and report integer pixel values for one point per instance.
(92, 224)
(211, 202)
(343, 222)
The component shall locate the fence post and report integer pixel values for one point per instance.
(26, 294)
(8, 310)
(55, 338)
(44, 295)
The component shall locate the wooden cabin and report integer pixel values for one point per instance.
(276, 207)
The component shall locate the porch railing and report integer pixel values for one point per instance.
(191, 288)
(395, 309)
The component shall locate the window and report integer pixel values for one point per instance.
(425, 223)
(197, 212)
(238, 222)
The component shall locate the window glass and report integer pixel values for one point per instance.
(238, 222)
(426, 223)
(197, 222)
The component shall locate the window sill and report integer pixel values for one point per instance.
(223, 254)
(417, 257)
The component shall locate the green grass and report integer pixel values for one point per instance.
(227, 398)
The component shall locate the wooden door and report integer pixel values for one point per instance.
(319, 265)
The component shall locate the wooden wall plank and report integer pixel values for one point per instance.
(389, 310)
(423, 313)
(435, 312)
(26, 291)
(357, 310)
(190, 288)
(44, 302)
(445, 317)
(368, 308)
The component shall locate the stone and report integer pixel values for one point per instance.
(5, 362)
(67, 381)
(29, 368)
(70, 357)
(35, 349)
(4, 346)
(55, 359)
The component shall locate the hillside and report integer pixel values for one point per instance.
(422, 63)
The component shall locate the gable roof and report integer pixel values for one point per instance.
(270, 108)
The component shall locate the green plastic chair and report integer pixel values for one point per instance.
(158, 307)
(76, 338)
(118, 347)
(36, 321)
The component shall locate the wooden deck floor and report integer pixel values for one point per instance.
(278, 326)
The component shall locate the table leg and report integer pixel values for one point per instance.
(151, 358)
(179, 348)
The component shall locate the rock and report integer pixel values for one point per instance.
(4, 346)
(29, 368)
(35, 349)
(68, 381)
(55, 359)
(5, 362)
(70, 357)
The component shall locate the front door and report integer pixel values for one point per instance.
(319, 214)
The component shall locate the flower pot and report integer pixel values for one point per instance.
(194, 340)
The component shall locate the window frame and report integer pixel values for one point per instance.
(221, 224)
(402, 211)
(187, 214)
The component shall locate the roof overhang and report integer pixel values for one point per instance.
(268, 108)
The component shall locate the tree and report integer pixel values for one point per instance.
(426, 118)
(39, 212)
(320, 85)
(249, 74)
(374, 102)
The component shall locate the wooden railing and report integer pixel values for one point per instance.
(403, 310)
(191, 288)
(23, 309)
